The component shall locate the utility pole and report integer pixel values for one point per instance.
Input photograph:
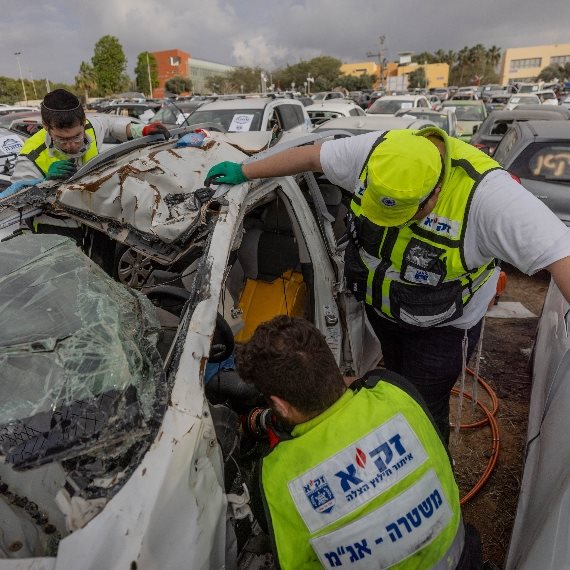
(380, 56)
(149, 78)
(18, 54)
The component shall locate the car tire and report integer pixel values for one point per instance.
(132, 268)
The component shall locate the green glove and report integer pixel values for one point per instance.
(225, 173)
(61, 169)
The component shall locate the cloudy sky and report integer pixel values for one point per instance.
(54, 36)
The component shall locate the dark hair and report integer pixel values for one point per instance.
(288, 357)
(62, 110)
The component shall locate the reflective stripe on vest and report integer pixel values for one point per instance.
(36, 150)
(370, 486)
(428, 252)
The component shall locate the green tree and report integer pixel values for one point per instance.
(146, 62)
(551, 73)
(85, 80)
(417, 78)
(324, 70)
(356, 82)
(178, 85)
(109, 63)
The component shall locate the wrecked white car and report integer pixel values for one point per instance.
(119, 433)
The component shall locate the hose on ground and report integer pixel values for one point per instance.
(488, 419)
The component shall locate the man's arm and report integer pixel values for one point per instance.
(286, 163)
(25, 169)
(560, 271)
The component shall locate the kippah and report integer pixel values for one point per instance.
(61, 100)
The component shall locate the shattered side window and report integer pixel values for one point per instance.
(79, 366)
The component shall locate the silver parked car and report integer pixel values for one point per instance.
(537, 153)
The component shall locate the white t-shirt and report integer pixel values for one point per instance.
(505, 220)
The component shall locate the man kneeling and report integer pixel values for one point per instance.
(364, 479)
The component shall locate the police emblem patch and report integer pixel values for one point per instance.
(388, 201)
(320, 495)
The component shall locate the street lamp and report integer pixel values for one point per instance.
(309, 81)
(18, 54)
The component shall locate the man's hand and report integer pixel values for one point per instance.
(225, 173)
(61, 169)
(156, 129)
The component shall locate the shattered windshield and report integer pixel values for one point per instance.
(78, 355)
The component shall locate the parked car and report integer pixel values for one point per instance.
(517, 100)
(444, 119)
(495, 126)
(173, 114)
(442, 93)
(547, 97)
(374, 96)
(253, 114)
(536, 152)
(542, 524)
(369, 123)
(7, 109)
(122, 445)
(470, 114)
(143, 111)
(25, 122)
(320, 112)
(391, 104)
(326, 95)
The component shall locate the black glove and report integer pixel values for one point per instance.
(156, 129)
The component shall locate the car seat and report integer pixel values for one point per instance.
(269, 258)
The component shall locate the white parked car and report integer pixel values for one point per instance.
(518, 99)
(253, 114)
(391, 104)
(121, 443)
(547, 97)
(320, 112)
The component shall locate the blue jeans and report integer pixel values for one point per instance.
(431, 359)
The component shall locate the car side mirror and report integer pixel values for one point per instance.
(475, 128)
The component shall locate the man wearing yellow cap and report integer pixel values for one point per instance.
(429, 218)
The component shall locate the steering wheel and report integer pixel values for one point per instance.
(173, 299)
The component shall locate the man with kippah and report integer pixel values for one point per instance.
(68, 140)
(429, 218)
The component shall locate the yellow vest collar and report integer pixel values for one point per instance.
(307, 426)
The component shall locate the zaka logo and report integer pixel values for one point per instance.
(320, 494)
(383, 457)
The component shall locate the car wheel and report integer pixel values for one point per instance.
(132, 268)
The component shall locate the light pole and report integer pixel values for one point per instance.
(149, 77)
(33, 84)
(18, 54)
(309, 81)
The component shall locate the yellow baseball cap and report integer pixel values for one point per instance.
(401, 172)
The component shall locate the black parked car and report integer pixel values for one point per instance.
(494, 127)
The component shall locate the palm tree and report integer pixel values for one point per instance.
(450, 58)
(494, 56)
(86, 79)
(440, 56)
(462, 60)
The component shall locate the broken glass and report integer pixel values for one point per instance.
(78, 361)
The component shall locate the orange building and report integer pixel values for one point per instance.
(170, 63)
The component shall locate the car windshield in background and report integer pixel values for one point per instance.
(234, 120)
(440, 120)
(389, 106)
(524, 99)
(80, 373)
(470, 113)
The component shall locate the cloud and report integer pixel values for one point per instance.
(54, 36)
